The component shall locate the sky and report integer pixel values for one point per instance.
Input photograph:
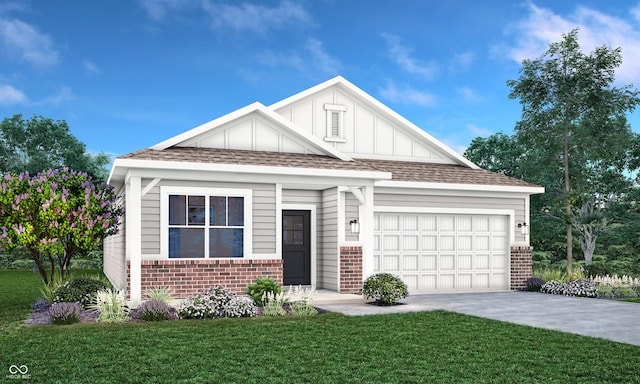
(126, 75)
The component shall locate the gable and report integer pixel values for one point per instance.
(371, 130)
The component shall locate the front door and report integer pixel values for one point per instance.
(296, 247)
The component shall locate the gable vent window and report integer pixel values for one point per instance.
(335, 123)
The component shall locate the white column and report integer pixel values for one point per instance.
(134, 235)
(366, 231)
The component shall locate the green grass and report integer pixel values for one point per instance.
(633, 300)
(329, 348)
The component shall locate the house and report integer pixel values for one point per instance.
(325, 187)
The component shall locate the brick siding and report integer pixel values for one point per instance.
(521, 266)
(189, 277)
(351, 269)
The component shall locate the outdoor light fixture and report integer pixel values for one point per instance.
(523, 227)
(355, 226)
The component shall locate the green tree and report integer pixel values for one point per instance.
(56, 214)
(572, 113)
(39, 144)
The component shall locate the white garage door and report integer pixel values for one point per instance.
(443, 252)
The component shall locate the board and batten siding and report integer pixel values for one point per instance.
(264, 214)
(328, 241)
(367, 132)
(115, 254)
(518, 205)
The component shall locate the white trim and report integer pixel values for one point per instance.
(366, 216)
(279, 221)
(357, 192)
(133, 229)
(346, 85)
(312, 208)
(458, 187)
(150, 186)
(165, 191)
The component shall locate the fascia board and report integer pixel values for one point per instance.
(382, 108)
(459, 187)
(128, 164)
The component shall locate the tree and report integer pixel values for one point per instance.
(574, 116)
(39, 144)
(56, 214)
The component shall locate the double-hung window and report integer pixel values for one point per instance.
(206, 222)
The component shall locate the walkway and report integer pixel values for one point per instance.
(613, 320)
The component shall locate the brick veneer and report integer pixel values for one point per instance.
(188, 277)
(351, 269)
(521, 266)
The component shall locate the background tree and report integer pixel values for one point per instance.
(39, 144)
(574, 116)
(56, 215)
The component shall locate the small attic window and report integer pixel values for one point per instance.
(335, 122)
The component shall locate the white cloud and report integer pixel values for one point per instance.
(469, 95)
(462, 61)
(27, 43)
(477, 131)
(11, 96)
(407, 95)
(65, 94)
(256, 18)
(312, 58)
(91, 67)
(401, 55)
(542, 27)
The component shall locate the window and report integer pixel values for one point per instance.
(206, 223)
(335, 122)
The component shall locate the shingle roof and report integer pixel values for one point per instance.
(400, 170)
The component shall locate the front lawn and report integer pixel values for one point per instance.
(329, 348)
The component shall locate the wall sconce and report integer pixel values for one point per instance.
(523, 228)
(355, 226)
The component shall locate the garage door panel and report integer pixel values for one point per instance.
(443, 252)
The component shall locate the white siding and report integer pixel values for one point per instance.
(351, 209)
(115, 264)
(264, 214)
(328, 241)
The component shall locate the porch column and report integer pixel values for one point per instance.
(366, 219)
(133, 217)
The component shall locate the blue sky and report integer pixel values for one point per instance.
(128, 74)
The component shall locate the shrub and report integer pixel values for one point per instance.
(604, 290)
(40, 305)
(624, 291)
(49, 290)
(549, 274)
(80, 290)
(274, 305)
(240, 307)
(65, 313)
(210, 304)
(153, 310)
(300, 300)
(262, 285)
(553, 287)
(534, 284)
(597, 269)
(580, 288)
(160, 294)
(111, 306)
(384, 288)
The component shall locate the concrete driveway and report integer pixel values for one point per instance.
(608, 319)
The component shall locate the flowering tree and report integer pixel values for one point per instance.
(56, 214)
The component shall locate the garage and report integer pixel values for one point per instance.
(435, 252)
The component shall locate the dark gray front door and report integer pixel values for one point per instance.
(296, 247)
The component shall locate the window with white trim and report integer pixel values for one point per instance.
(206, 223)
(335, 122)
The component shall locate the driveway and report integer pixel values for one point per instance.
(613, 320)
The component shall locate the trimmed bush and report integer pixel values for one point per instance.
(384, 288)
(534, 284)
(65, 313)
(580, 288)
(153, 310)
(80, 290)
(553, 287)
(263, 284)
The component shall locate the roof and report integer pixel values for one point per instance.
(401, 170)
